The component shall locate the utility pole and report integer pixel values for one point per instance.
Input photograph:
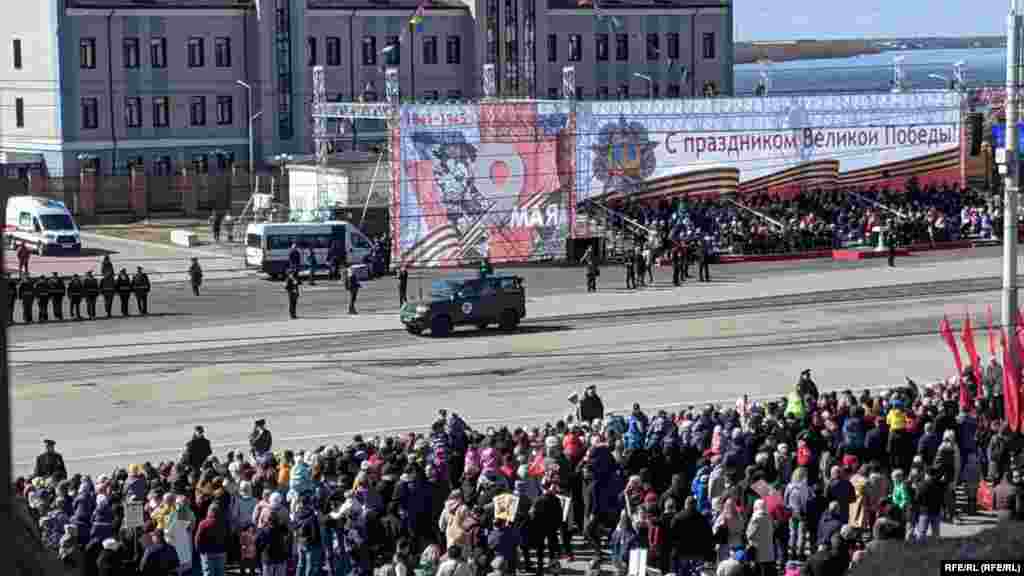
(1012, 180)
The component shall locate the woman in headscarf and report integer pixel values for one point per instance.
(760, 535)
(85, 505)
(102, 519)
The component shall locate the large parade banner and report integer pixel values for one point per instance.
(777, 144)
(483, 180)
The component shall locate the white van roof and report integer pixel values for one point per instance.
(38, 204)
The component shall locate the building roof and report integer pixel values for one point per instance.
(160, 4)
(634, 4)
(410, 5)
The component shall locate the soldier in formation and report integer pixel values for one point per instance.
(42, 291)
(57, 291)
(108, 287)
(75, 292)
(140, 285)
(123, 286)
(91, 291)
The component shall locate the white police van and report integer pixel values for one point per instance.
(44, 224)
(267, 244)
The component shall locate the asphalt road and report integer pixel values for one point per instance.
(254, 298)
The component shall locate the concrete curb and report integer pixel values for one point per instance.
(156, 245)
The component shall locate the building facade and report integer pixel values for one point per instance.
(164, 85)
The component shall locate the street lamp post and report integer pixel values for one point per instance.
(650, 83)
(252, 120)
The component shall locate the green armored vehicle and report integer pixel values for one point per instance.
(479, 302)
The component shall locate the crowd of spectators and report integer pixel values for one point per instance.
(808, 484)
(821, 219)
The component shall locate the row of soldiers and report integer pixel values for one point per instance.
(45, 293)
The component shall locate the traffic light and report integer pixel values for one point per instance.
(975, 125)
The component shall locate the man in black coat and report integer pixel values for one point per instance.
(50, 463)
(198, 449)
(591, 407)
(91, 291)
(108, 287)
(57, 292)
(123, 284)
(43, 297)
(12, 296)
(26, 291)
(403, 285)
(353, 289)
(630, 270)
(260, 440)
(75, 292)
(291, 286)
(704, 259)
(140, 285)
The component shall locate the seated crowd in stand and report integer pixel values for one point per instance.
(808, 484)
(820, 220)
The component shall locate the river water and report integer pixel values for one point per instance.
(874, 72)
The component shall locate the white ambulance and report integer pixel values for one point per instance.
(44, 224)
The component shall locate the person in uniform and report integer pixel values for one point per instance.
(107, 267)
(403, 285)
(75, 291)
(353, 289)
(677, 265)
(704, 258)
(12, 296)
(291, 286)
(57, 293)
(195, 275)
(630, 270)
(50, 463)
(260, 440)
(26, 291)
(123, 285)
(91, 290)
(140, 285)
(108, 286)
(43, 298)
(590, 259)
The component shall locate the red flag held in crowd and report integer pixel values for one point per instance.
(967, 336)
(947, 335)
(1011, 386)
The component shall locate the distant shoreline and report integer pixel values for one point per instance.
(787, 51)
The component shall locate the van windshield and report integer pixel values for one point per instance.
(56, 222)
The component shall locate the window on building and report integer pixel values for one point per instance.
(653, 47)
(579, 93)
(602, 92)
(19, 112)
(709, 45)
(130, 52)
(455, 94)
(601, 47)
(87, 53)
(431, 95)
(674, 91)
(553, 93)
(575, 48)
(196, 52)
(552, 48)
(311, 51)
(672, 44)
(393, 56)
(222, 52)
(369, 51)
(623, 93)
(158, 52)
(333, 51)
(622, 47)
(90, 113)
(197, 111)
(430, 50)
(162, 166)
(453, 50)
(133, 112)
(16, 50)
(161, 112)
(225, 110)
